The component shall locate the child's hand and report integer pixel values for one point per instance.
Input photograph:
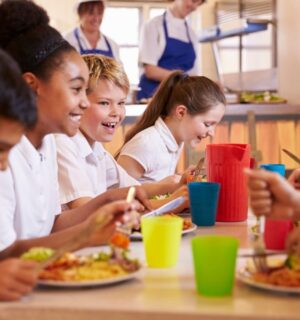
(118, 212)
(187, 176)
(17, 278)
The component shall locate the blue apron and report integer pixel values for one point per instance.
(178, 55)
(107, 53)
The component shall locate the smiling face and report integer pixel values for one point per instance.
(106, 112)
(194, 128)
(10, 134)
(186, 7)
(62, 99)
(91, 18)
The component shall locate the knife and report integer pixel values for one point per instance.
(291, 155)
(165, 208)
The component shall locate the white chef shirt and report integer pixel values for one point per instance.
(29, 194)
(156, 150)
(153, 40)
(85, 171)
(101, 44)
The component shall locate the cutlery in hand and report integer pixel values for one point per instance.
(166, 208)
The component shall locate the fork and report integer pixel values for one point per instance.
(198, 169)
(258, 244)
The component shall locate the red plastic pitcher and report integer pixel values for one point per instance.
(276, 233)
(225, 165)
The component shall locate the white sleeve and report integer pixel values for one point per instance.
(141, 149)
(73, 180)
(8, 206)
(116, 176)
(150, 48)
(70, 37)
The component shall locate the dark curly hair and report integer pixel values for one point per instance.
(17, 100)
(26, 35)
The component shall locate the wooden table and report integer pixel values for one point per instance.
(157, 294)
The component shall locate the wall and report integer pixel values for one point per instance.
(289, 50)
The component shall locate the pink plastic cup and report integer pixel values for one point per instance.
(276, 232)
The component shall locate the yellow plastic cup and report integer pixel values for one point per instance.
(161, 238)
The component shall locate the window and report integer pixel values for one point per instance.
(127, 32)
(256, 51)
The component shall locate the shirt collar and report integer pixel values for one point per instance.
(91, 153)
(32, 155)
(83, 38)
(175, 20)
(166, 135)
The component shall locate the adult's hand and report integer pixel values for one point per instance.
(271, 195)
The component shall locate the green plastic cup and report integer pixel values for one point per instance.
(161, 238)
(214, 264)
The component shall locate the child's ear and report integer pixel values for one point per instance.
(32, 81)
(180, 111)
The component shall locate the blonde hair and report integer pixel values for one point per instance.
(105, 68)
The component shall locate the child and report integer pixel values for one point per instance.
(29, 187)
(17, 113)
(85, 168)
(184, 109)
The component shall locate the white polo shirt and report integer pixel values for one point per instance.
(153, 40)
(29, 195)
(156, 150)
(101, 44)
(85, 171)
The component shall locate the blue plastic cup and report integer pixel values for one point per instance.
(204, 197)
(274, 167)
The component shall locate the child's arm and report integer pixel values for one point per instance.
(132, 167)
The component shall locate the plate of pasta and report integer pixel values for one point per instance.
(98, 269)
(284, 276)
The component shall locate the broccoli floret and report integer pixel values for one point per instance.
(293, 262)
(37, 254)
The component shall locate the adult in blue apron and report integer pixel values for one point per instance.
(177, 55)
(107, 53)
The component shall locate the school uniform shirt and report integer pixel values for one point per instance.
(105, 45)
(29, 195)
(170, 43)
(85, 171)
(156, 150)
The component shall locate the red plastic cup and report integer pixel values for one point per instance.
(276, 232)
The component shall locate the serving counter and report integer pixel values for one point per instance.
(167, 294)
(277, 127)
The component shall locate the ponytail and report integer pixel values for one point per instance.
(159, 105)
(197, 94)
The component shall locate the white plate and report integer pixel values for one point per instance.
(138, 235)
(88, 283)
(244, 276)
